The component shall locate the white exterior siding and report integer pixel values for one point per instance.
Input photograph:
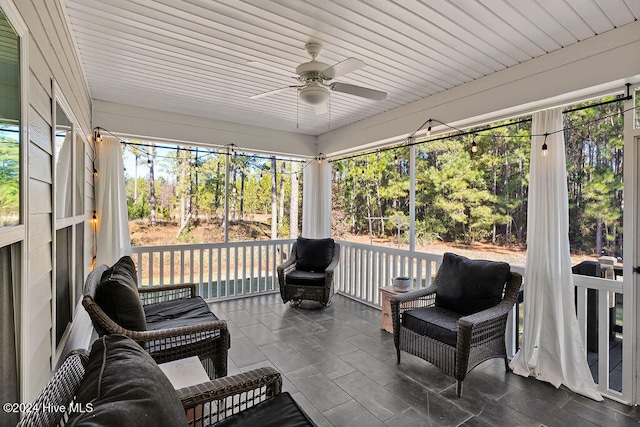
(51, 56)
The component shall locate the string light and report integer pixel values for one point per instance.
(94, 219)
(96, 135)
(429, 128)
(545, 148)
(474, 147)
(95, 171)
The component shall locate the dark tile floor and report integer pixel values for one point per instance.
(341, 368)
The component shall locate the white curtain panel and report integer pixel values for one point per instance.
(552, 348)
(111, 203)
(316, 200)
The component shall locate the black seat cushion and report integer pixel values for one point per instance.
(468, 286)
(125, 387)
(176, 313)
(434, 322)
(313, 254)
(308, 278)
(117, 295)
(278, 411)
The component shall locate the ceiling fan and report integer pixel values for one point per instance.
(316, 80)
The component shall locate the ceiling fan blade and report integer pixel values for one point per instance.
(271, 68)
(271, 92)
(321, 108)
(363, 92)
(342, 68)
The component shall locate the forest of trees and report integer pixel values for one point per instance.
(461, 196)
(186, 185)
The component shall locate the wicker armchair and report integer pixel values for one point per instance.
(453, 342)
(209, 340)
(233, 400)
(308, 273)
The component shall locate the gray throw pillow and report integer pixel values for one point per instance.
(117, 295)
(468, 286)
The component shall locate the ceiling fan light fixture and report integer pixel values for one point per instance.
(314, 94)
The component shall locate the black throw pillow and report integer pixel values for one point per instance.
(117, 295)
(468, 286)
(123, 386)
(314, 254)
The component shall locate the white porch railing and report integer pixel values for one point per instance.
(240, 269)
(219, 270)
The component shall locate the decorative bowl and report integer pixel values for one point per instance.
(401, 283)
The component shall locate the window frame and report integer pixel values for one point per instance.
(17, 234)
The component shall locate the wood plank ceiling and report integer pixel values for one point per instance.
(190, 56)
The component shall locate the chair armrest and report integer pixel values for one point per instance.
(408, 301)
(153, 294)
(287, 266)
(224, 396)
(332, 265)
(181, 331)
(414, 299)
(482, 326)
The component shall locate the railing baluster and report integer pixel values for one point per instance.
(244, 270)
(603, 339)
(201, 272)
(210, 282)
(252, 269)
(219, 281)
(172, 262)
(150, 272)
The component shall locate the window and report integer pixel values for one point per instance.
(9, 125)
(69, 183)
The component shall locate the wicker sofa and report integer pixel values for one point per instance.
(119, 384)
(459, 321)
(171, 322)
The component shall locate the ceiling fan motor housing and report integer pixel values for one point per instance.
(311, 70)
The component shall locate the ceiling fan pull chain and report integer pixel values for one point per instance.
(297, 112)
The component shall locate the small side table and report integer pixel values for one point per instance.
(387, 292)
(184, 372)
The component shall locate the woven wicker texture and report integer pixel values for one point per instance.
(481, 336)
(208, 340)
(210, 402)
(297, 293)
(58, 393)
